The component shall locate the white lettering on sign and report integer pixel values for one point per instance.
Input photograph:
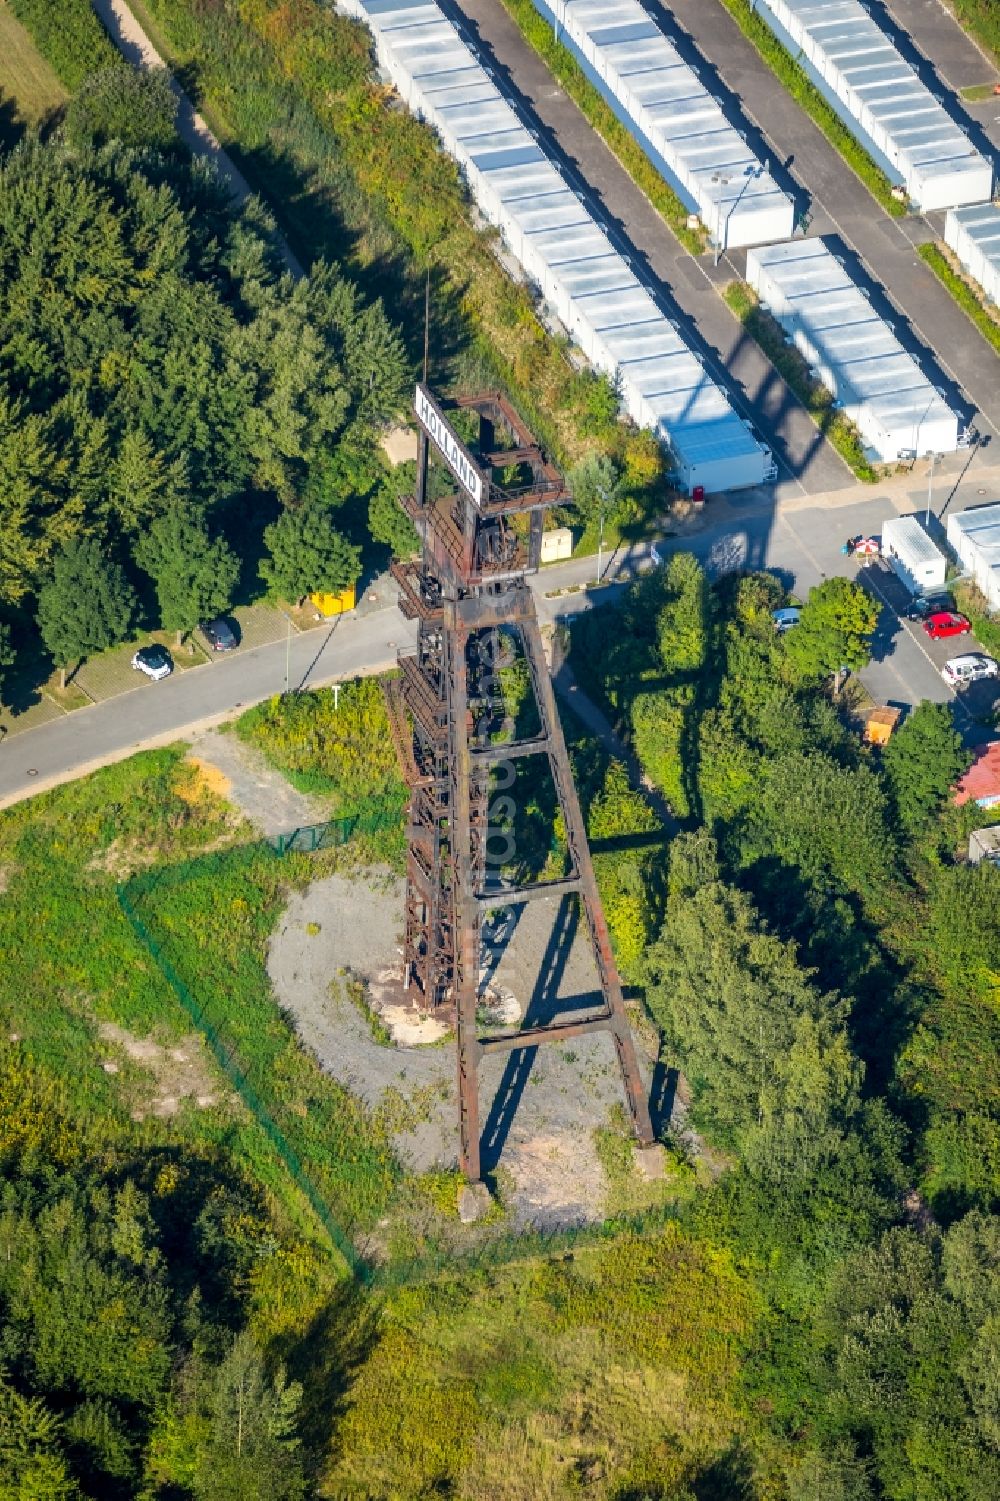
(454, 452)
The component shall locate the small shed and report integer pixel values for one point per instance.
(981, 783)
(975, 536)
(984, 844)
(912, 555)
(879, 725)
(557, 544)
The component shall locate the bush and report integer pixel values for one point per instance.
(964, 294)
(68, 35)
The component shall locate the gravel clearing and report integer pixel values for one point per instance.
(538, 1107)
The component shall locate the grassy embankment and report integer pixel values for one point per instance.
(986, 318)
(30, 91)
(211, 898)
(807, 95)
(790, 365)
(981, 19)
(354, 178)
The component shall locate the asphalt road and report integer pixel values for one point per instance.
(934, 43)
(924, 313)
(757, 390)
(800, 540)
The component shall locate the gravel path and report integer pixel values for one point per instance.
(260, 791)
(538, 1108)
(135, 46)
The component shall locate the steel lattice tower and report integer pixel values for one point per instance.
(478, 545)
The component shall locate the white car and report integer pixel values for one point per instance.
(155, 661)
(785, 619)
(969, 669)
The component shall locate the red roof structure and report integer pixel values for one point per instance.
(981, 782)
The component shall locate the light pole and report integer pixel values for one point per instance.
(930, 486)
(600, 534)
(749, 174)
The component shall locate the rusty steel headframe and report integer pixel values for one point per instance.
(478, 544)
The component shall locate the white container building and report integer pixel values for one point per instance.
(565, 251)
(975, 537)
(663, 103)
(974, 235)
(853, 351)
(912, 555)
(882, 101)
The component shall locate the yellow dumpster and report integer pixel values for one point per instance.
(335, 604)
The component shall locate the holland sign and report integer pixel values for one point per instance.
(454, 452)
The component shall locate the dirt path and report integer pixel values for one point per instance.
(254, 786)
(538, 1108)
(135, 46)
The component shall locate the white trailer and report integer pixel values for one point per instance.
(566, 252)
(975, 537)
(853, 351)
(882, 101)
(663, 103)
(912, 555)
(974, 235)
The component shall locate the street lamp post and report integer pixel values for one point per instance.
(930, 486)
(749, 174)
(600, 534)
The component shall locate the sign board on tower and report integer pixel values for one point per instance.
(448, 444)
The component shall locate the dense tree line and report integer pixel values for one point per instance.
(823, 970)
(166, 386)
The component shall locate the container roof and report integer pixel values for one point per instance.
(869, 364)
(980, 524)
(981, 222)
(685, 405)
(928, 141)
(908, 531)
(679, 117)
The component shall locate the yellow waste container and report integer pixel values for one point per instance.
(335, 604)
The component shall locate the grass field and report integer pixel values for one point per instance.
(29, 90)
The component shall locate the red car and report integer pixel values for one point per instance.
(946, 623)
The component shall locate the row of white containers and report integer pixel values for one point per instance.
(882, 100)
(974, 235)
(608, 311)
(975, 537)
(662, 101)
(853, 351)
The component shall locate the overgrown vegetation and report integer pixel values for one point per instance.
(68, 35)
(292, 92)
(973, 306)
(795, 79)
(975, 606)
(564, 67)
(165, 387)
(791, 366)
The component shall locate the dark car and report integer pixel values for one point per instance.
(220, 635)
(923, 605)
(946, 623)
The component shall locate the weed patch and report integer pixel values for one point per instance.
(972, 304)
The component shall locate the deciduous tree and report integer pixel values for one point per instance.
(308, 554)
(87, 605)
(834, 631)
(923, 761)
(194, 573)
